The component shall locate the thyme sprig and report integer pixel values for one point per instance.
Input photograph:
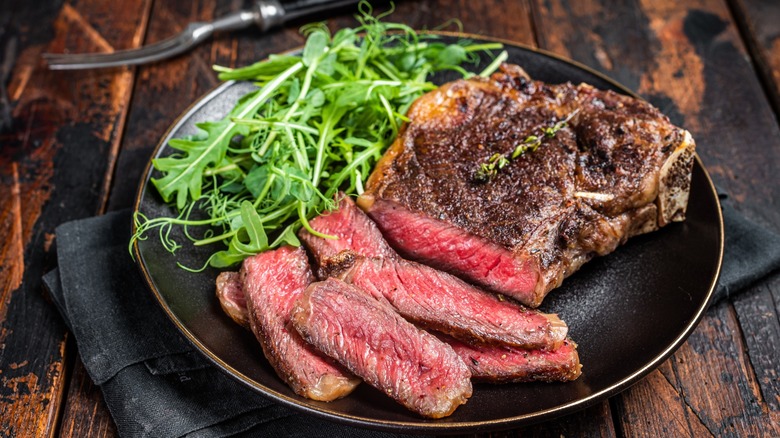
(496, 162)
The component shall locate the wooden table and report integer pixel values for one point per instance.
(79, 142)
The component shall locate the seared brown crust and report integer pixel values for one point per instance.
(579, 195)
(231, 297)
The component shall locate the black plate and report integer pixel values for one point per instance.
(627, 311)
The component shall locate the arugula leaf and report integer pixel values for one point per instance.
(183, 174)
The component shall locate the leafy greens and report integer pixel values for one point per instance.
(317, 123)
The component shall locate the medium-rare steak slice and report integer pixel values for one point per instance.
(617, 168)
(231, 297)
(503, 364)
(352, 229)
(439, 301)
(272, 282)
(487, 363)
(371, 340)
(421, 294)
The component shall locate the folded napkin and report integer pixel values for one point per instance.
(154, 382)
(156, 385)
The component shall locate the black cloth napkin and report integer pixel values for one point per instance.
(154, 382)
(156, 385)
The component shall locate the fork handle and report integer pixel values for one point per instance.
(265, 14)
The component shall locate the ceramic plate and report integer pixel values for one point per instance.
(627, 311)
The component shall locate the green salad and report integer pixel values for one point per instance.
(317, 123)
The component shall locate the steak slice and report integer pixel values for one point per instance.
(371, 340)
(231, 297)
(442, 302)
(487, 363)
(618, 168)
(504, 364)
(353, 231)
(272, 282)
(421, 294)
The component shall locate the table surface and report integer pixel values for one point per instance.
(78, 143)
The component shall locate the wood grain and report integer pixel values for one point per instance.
(758, 22)
(52, 168)
(79, 142)
(161, 91)
(656, 393)
(758, 311)
(85, 413)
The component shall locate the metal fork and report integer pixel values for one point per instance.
(265, 14)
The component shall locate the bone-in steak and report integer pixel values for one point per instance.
(618, 168)
(272, 282)
(371, 340)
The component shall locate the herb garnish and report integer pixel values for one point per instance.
(317, 124)
(531, 143)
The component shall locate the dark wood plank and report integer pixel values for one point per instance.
(671, 415)
(717, 381)
(689, 61)
(52, 168)
(758, 23)
(85, 413)
(161, 92)
(758, 311)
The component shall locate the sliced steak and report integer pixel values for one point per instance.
(353, 231)
(421, 294)
(497, 364)
(231, 297)
(487, 363)
(440, 301)
(371, 340)
(617, 168)
(272, 282)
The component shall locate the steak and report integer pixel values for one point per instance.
(615, 169)
(439, 301)
(353, 230)
(487, 363)
(231, 297)
(366, 335)
(504, 364)
(421, 294)
(272, 282)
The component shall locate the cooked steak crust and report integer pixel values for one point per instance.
(504, 364)
(617, 168)
(272, 282)
(371, 340)
(421, 294)
(231, 297)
